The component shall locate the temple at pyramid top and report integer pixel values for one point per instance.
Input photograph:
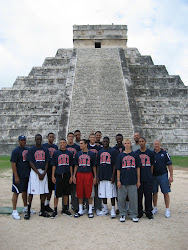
(100, 36)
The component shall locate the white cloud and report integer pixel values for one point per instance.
(35, 29)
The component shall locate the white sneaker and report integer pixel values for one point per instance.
(167, 213)
(15, 215)
(122, 218)
(105, 211)
(99, 212)
(85, 211)
(155, 210)
(25, 211)
(113, 213)
(135, 219)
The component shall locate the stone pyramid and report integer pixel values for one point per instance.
(100, 84)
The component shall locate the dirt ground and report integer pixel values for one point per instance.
(100, 232)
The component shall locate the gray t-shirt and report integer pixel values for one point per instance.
(137, 146)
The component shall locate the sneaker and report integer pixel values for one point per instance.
(135, 219)
(99, 212)
(155, 210)
(27, 216)
(167, 213)
(105, 211)
(122, 218)
(25, 211)
(48, 209)
(77, 215)
(113, 213)
(44, 214)
(90, 215)
(15, 215)
(85, 211)
(54, 215)
(150, 217)
(66, 212)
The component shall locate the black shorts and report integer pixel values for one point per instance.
(21, 187)
(62, 186)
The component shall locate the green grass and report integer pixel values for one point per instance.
(180, 161)
(5, 162)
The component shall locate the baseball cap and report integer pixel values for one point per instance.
(21, 137)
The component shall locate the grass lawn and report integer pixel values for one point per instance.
(5, 162)
(180, 161)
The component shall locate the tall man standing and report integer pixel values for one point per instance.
(51, 148)
(85, 166)
(21, 170)
(160, 176)
(38, 157)
(62, 162)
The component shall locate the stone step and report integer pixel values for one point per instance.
(56, 61)
(140, 71)
(51, 70)
(102, 103)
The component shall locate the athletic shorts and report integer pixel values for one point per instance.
(21, 187)
(163, 181)
(62, 186)
(84, 184)
(35, 185)
(107, 190)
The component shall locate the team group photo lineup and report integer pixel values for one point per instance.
(91, 177)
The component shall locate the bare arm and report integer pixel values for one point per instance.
(113, 173)
(138, 177)
(152, 169)
(95, 172)
(171, 173)
(53, 174)
(71, 177)
(118, 179)
(74, 175)
(14, 169)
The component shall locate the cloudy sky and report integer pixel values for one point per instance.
(31, 30)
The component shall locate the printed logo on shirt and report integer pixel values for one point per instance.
(145, 160)
(105, 158)
(24, 154)
(51, 151)
(162, 155)
(128, 162)
(39, 155)
(63, 159)
(93, 150)
(120, 150)
(84, 161)
(73, 151)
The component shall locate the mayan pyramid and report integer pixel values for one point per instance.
(100, 84)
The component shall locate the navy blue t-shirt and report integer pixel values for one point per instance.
(106, 159)
(94, 148)
(19, 157)
(119, 149)
(51, 148)
(38, 156)
(85, 161)
(127, 164)
(147, 159)
(73, 149)
(63, 160)
(161, 160)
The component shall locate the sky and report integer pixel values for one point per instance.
(31, 30)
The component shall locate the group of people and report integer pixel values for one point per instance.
(89, 169)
